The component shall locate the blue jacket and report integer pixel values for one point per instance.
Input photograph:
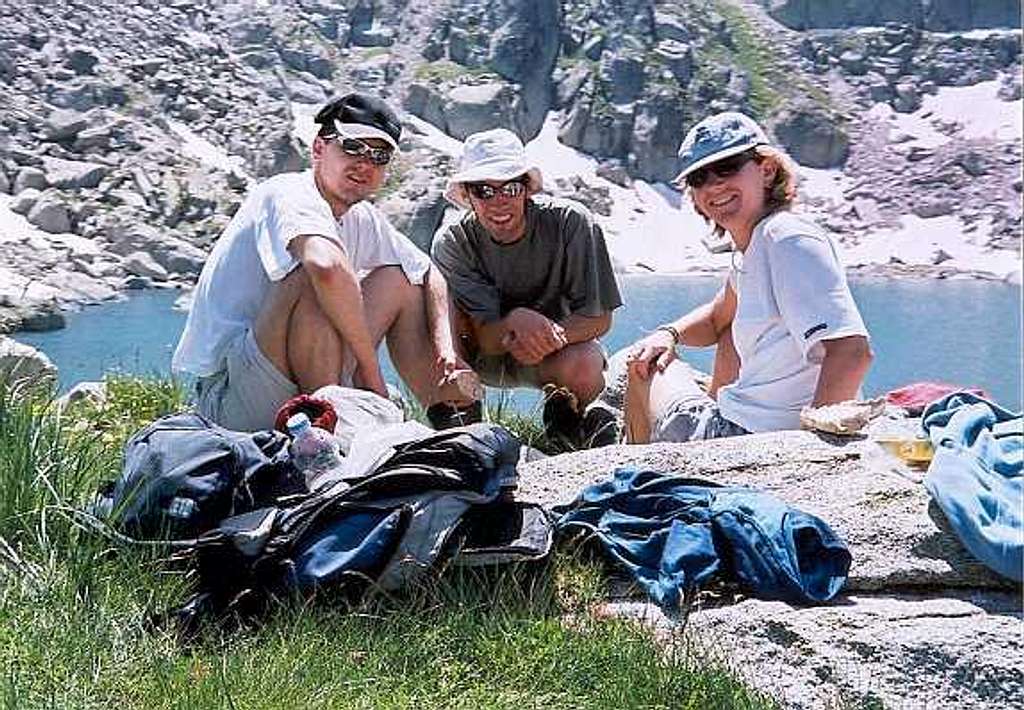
(674, 533)
(976, 477)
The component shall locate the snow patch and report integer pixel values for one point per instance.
(13, 226)
(979, 109)
(964, 112)
(919, 241)
(303, 127)
(983, 33)
(206, 152)
(557, 160)
(828, 185)
(433, 137)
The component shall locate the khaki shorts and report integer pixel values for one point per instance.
(505, 372)
(246, 395)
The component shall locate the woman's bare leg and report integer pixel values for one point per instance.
(637, 409)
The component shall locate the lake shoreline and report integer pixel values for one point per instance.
(918, 330)
(895, 273)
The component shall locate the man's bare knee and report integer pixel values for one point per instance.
(273, 323)
(387, 284)
(388, 295)
(579, 367)
(314, 348)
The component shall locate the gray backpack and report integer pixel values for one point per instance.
(183, 475)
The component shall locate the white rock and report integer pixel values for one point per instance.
(64, 124)
(80, 287)
(74, 173)
(24, 201)
(92, 392)
(22, 366)
(50, 215)
(139, 263)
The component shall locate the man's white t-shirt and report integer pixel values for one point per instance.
(791, 295)
(253, 252)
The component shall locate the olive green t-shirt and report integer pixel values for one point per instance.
(559, 267)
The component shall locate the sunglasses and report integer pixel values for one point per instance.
(724, 168)
(483, 191)
(360, 149)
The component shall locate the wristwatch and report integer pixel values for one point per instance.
(671, 330)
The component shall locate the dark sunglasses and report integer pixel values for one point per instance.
(724, 168)
(483, 191)
(360, 149)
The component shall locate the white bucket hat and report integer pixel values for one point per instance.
(497, 154)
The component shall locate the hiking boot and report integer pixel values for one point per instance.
(446, 416)
(562, 418)
(599, 426)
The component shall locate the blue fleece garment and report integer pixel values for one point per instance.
(976, 477)
(357, 542)
(673, 533)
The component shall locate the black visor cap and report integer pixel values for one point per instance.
(360, 108)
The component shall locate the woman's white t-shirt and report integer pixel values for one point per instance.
(791, 295)
(253, 252)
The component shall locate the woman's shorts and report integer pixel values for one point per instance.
(694, 421)
(687, 413)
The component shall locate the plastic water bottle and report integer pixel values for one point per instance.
(314, 451)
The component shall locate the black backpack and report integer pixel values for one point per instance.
(183, 475)
(342, 538)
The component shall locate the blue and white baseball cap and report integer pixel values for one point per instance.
(716, 137)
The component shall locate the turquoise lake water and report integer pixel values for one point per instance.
(963, 332)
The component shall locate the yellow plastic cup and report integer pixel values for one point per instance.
(912, 451)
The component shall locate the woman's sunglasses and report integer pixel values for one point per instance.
(483, 191)
(724, 168)
(360, 149)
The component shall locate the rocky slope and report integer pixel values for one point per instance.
(129, 131)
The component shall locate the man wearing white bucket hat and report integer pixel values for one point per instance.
(530, 275)
(309, 277)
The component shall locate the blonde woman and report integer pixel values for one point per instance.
(787, 330)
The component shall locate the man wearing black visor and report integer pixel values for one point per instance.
(309, 277)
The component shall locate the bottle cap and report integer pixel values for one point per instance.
(297, 423)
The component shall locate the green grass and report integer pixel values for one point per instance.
(75, 611)
(445, 70)
(371, 52)
(751, 55)
(770, 83)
